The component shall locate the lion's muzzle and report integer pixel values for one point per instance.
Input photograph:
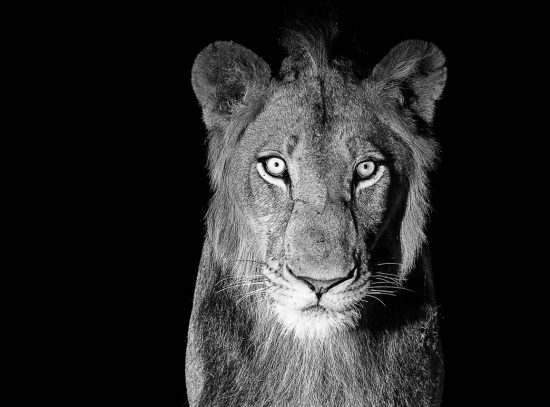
(320, 246)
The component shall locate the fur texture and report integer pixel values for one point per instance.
(261, 338)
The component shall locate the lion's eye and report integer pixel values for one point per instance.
(365, 169)
(275, 166)
(368, 173)
(273, 170)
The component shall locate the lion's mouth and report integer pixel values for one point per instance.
(295, 295)
(314, 308)
(308, 314)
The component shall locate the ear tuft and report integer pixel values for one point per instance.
(224, 75)
(416, 69)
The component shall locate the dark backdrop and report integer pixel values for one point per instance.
(153, 155)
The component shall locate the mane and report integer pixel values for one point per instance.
(313, 47)
(227, 230)
(309, 46)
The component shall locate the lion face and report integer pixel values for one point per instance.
(314, 173)
(314, 184)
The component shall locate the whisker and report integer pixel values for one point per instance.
(376, 298)
(251, 293)
(385, 278)
(274, 288)
(239, 285)
(383, 281)
(390, 287)
(380, 273)
(244, 278)
(390, 284)
(384, 264)
(247, 260)
(237, 279)
(383, 286)
(382, 292)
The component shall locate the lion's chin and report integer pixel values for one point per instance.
(314, 321)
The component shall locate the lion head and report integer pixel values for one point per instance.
(319, 176)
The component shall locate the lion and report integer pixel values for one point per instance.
(315, 285)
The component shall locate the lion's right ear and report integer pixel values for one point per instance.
(225, 77)
(414, 73)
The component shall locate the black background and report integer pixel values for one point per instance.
(146, 128)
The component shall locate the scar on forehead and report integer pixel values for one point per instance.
(290, 143)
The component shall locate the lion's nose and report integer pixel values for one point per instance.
(322, 286)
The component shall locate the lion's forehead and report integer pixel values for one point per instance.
(332, 120)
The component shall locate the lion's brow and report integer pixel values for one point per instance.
(291, 142)
(354, 144)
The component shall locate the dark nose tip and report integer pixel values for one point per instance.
(322, 286)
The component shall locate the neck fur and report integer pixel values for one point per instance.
(252, 361)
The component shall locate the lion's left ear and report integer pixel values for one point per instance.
(413, 72)
(225, 76)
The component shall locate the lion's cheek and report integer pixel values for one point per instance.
(370, 208)
(269, 234)
(262, 197)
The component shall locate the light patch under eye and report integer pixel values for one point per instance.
(368, 173)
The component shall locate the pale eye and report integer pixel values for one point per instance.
(365, 169)
(275, 166)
